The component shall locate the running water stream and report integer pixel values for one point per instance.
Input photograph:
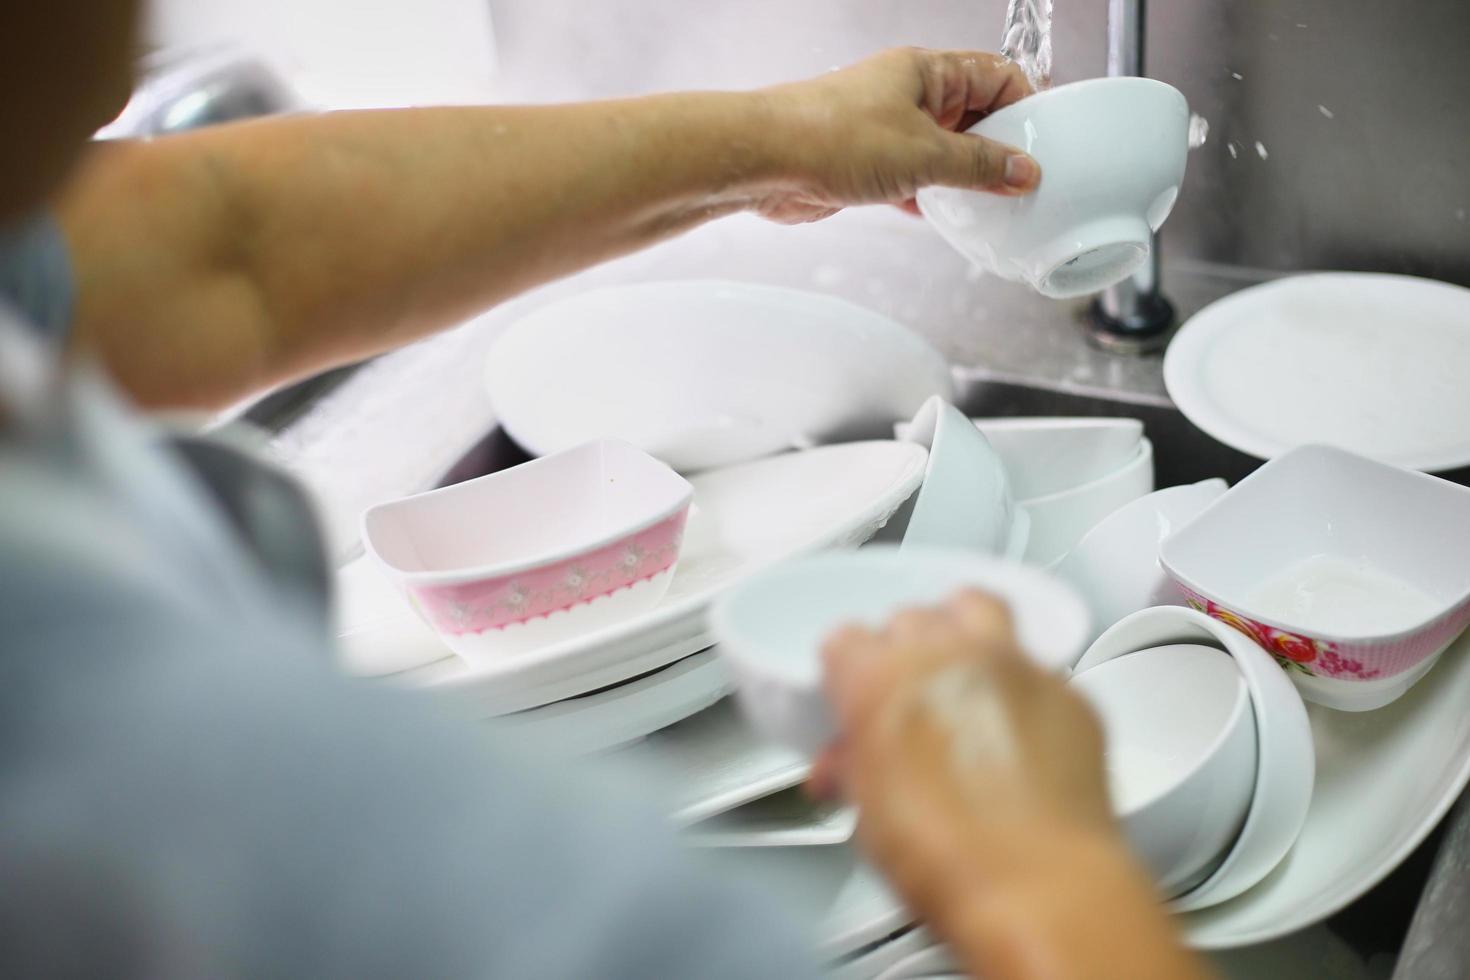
(1027, 40)
(1027, 43)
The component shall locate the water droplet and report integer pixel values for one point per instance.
(1237, 76)
(1234, 153)
(1261, 150)
(1326, 112)
(1199, 130)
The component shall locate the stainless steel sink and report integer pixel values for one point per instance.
(1376, 923)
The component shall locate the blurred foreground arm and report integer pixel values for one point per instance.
(981, 789)
(216, 263)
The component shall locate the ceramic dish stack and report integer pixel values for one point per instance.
(620, 679)
(1067, 474)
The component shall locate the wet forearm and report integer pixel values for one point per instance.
(216, 263)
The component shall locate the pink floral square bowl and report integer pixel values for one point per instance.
(538, 553)
(1353, 574)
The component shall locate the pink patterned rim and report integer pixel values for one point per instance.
(495, 603)
(1342, 661)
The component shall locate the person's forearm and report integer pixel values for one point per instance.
(1059, 909)
(213, 264)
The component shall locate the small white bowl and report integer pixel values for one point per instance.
(1060, 520)
(965, 500)
(772, 626)
(1112, 153)
(1372, 563)
(537, 553)
(1181, 755)
(1043, 456)
(1286, 757)
(1116, 565)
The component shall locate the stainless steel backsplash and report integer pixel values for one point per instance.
(1360, 106)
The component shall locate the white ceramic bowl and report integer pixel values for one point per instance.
(1286, 759)
(1043, 456)
(1116, 565)
(538, 553)
(965, 500)
(707, 373)
(1181, 755)
(1112, 154)
(771, 627)
(1353, 573)
(1060, 520)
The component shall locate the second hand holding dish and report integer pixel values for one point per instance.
(772, 627)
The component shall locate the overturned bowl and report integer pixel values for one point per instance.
(1112, 154)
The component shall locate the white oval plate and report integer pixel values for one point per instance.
(790, 818)
(744, 517)
(707, 373)
(1375, 364)
(1385, 778)
(622, 714)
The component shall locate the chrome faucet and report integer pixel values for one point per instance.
(1132, 316)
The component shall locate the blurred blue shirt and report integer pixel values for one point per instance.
(188, 789)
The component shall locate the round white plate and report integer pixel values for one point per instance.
(744, 517)
(707, 373)
(619, 715)
(1375, 364)
(1385, 778)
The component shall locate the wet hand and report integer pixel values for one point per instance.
(877, 132)
(960, 753)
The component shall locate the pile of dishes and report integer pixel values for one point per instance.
(576, 601)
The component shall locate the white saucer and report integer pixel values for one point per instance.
(622, 714)
(1375, 364)
(872, 962)
(1385, 778)
(744, 517)
(706, 373)
(789, 818)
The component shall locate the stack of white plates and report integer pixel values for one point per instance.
(620, 683)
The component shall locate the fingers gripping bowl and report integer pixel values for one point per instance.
(1112, 154)
(772, 627)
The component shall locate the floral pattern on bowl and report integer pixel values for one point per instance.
(496, 603)
(1370, 660)
(1303, 654)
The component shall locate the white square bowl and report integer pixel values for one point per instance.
(1316, 501)
(537, 553)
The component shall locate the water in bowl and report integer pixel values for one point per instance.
(1341, 596)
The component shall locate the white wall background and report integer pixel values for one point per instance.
(348, 53)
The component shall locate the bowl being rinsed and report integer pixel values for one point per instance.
(1112, 154)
